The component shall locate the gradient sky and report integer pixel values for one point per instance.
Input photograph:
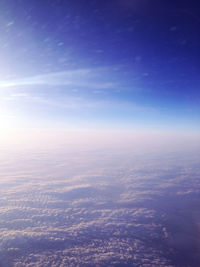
(100, 64)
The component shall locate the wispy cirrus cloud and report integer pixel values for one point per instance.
(73, 94)
(89, 78)
(77, 103)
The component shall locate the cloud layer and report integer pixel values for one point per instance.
(99, 207)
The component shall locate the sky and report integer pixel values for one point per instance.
(131, 64)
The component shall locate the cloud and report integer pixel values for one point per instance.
(97, 207)
(89, 78)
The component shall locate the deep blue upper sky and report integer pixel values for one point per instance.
(139, 61)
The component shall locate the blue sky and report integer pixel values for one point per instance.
(100, 64)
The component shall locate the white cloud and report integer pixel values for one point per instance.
(89, 78)
(94, 206)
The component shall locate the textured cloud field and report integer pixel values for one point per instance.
(114, 206)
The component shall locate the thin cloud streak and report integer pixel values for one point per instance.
(79, 77)
(69, 102)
